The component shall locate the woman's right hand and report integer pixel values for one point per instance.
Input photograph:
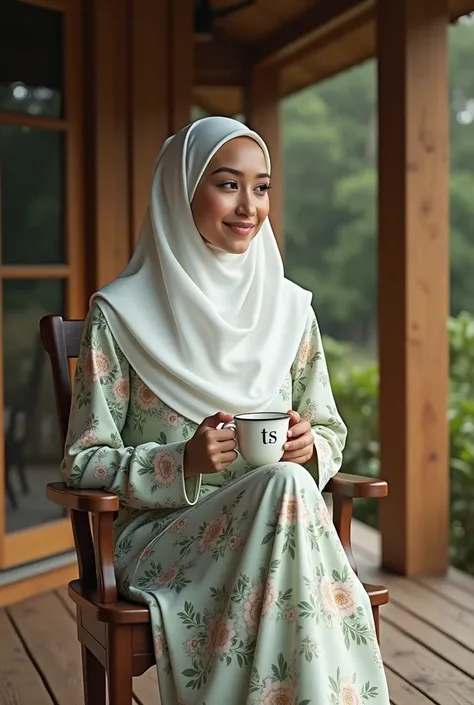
(211, 449)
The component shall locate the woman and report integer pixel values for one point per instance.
(251, 596)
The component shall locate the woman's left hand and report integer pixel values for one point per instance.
(300, 445)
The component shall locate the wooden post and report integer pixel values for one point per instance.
(150, 110)
(262, 112)
(107, 75)
(414, 283)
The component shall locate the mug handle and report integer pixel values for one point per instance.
(233, 426)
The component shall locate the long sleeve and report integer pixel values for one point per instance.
(313, 399)
(145, 476)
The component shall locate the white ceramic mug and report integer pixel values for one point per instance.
(261, 436)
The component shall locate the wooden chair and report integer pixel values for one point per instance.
(115, 634)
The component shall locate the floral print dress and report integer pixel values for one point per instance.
(252, 599)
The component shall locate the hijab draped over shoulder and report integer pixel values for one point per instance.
(204, 329)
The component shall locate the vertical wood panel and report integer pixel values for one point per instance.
(181, 62)
(108, 170)
(414, 282)
(150, 91)
(76, 304)
(262, 109)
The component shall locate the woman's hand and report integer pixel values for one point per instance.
(300, 445)
(210, 449)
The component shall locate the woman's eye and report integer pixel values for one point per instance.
(263, 187)
(228, 185)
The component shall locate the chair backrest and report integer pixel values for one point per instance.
(61, 339)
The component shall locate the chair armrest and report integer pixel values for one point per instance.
(356, 486)
(95, 557)
(92, 501)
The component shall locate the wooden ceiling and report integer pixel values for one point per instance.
(305, 40)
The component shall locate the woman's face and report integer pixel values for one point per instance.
(231, 201)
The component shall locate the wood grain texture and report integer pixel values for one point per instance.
(413, 292)
(50, 632)
(20, 683)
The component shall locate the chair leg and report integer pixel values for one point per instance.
(375, 612)
(94, 678)
(119, 664)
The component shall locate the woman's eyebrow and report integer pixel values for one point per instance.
(236, 172)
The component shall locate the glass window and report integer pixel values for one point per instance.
(30, 59)
(32, 196)
(32, 442)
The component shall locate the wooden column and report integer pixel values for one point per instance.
(107, 105)
(262, 110)
(414, 282)
(150, 110)
(181, 62)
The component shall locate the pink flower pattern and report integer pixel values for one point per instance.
(277, 694)
(213, 532)
(220, 635)
(121, 389)
(146, 398)
(97, 365)
(165, 468)
(242, 597)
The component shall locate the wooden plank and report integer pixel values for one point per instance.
(150, 98)
(20, 684)
(414, 598)
(299, 36)
(63, 595)
(444, 684)
(448, 649)
(262, 112)
(181, 62)
(145, 688)
(108, 219)
(413, 293)
(402, 693)
(220, 63)
(462, 580)
(456, 586)
(50, 632)
(446, 588)
(76, 301)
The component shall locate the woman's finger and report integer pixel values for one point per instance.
(298, 443)
(297, 457)
(225, 446)
(299, 429)
(226, 458)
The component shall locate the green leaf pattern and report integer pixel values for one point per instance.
(247, 583)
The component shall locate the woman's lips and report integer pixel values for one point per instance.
(242, 229)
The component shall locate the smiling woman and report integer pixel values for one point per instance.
(231, 201)
(240, 565)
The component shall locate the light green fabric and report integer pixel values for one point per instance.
(252, 598)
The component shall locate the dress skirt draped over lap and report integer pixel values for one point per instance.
(252, 599)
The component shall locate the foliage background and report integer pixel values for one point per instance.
(331, 240)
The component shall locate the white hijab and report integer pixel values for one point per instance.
(204, 329)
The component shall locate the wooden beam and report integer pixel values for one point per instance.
(262, 112)
(107, 104)
(414, 282)
(306, 30)
(181, 62)
(217, 63)
(150, 124)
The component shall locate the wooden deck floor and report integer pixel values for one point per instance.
(427, 641)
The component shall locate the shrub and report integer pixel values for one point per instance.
(356, 391)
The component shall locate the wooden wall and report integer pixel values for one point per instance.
(140, 77)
